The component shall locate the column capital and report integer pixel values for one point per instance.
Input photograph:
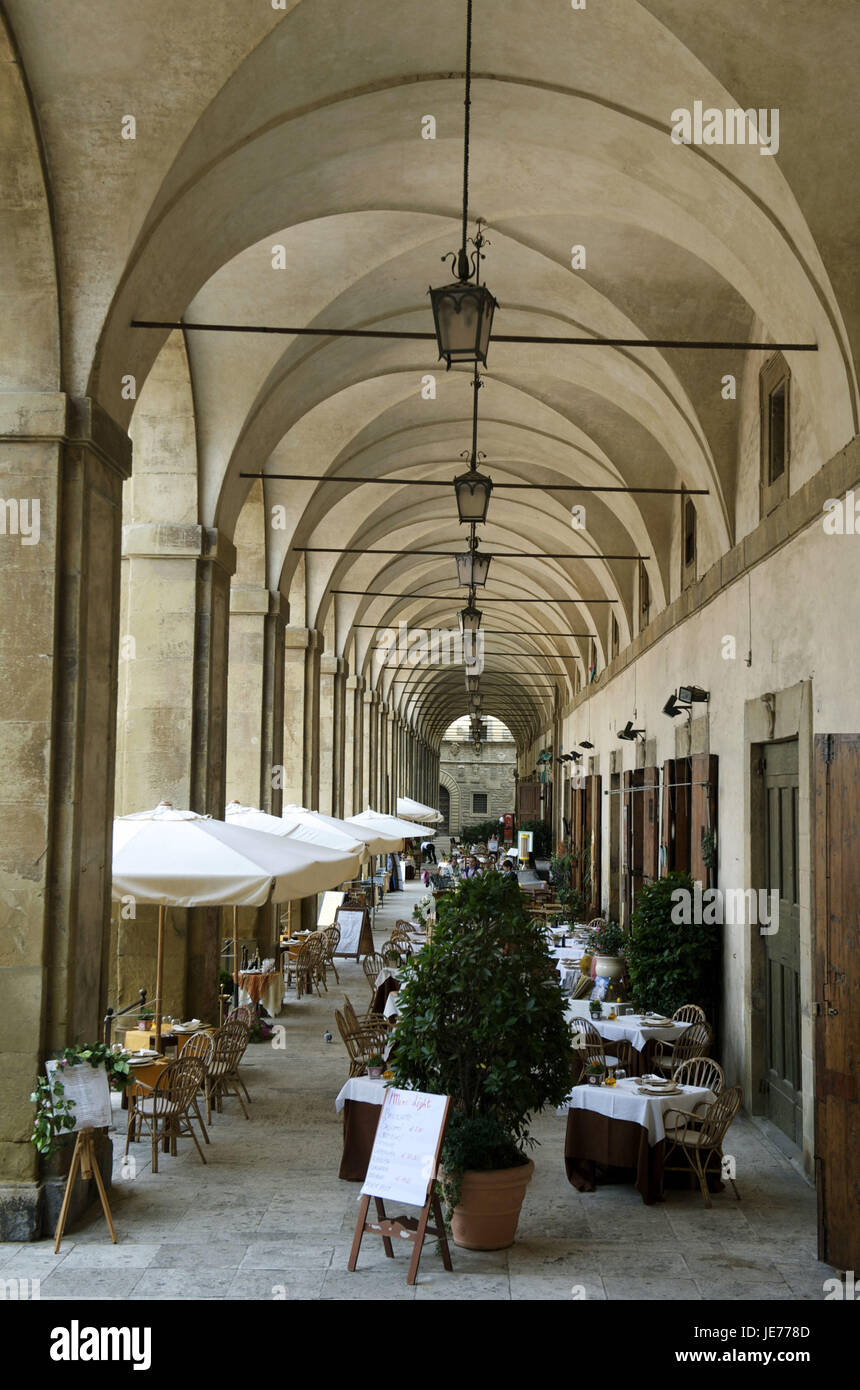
(331, 665)
(41, 416)
(253, 598)
(297, 638)
(371, 697)
(166, 540)
(355, 682)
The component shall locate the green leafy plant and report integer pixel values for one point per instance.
(376, 1060)
(54, 1116)
(671, 963)
(482, 1020)
(560, 876)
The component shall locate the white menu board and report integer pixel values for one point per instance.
(350, 921)
(405, 1148)
(89, 1088)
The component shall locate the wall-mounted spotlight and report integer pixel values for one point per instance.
(628, 733)
(692, 695)
(672, 708)
(583, 743)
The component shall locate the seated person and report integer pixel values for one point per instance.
(508, 869)
(473, 868)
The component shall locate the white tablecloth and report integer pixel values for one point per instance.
(635, 1032)
(623, 1102)
(369, 1089)
(392, 1005)
(388, 973)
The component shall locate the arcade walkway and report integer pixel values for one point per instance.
(269, 1218)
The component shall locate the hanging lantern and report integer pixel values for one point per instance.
(472, 568)
(470, 620)
(463, 316)
(472, 683)
(472, 490)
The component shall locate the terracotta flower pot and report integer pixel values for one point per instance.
(489, 1208)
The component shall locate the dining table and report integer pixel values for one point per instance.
(262, 986)
(360, 1103)
(386, 981)
(617, 1134)
(641, 1035)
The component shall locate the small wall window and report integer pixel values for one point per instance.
(613, 635)
(479, 803)
(688, 541)
(644, 596)
(774, 394)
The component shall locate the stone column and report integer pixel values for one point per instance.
(301, 730)
(340, 760)
(331, 707)
(353, 742)
(368, 751)
(172, 736)
(255, 724)
(62, 466)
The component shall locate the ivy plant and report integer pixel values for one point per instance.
(54, 1116)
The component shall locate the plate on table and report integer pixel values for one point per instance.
(660, 1090)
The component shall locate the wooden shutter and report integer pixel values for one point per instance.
(578, 817)
(631, 838)
(593, 827)
(650, 824)
(675, 820)
(703, 816)
(836, 1010)
(528, 800)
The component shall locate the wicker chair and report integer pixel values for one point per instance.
(404, 928)
(700, 1071)
(689, 1013)
(693, 1042)
(222, 1075)
(242, 1014)
(166, 1111)
(695, 1139)
(243, 1033)
(588, 1040)
(375, 1025)
(309, 966)
(399, 948)
(358, 1044)
(331, 937)
(372, 966)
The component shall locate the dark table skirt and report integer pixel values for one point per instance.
(387, 987)
(359, 1130)
(601, 1148)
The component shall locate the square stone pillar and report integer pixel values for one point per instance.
(255, 706)
(331, 706)
(62, 463)
(353, 742)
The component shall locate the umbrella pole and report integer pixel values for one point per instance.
(235, 956)
(159, 975)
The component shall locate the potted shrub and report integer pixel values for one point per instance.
(607, 943)
(145, 1019)
(483, 1021)
(594, 1073)
(671, 962)
(375, 1066)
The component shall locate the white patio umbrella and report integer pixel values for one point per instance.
(395, 829)
(177, 858)
(374, 842)
(414, 810)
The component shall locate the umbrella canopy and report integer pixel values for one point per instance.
(374, 842)
(396, 830)
(414, 810)
(304, 831)
(181, 859)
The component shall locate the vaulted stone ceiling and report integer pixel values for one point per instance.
(301, 127)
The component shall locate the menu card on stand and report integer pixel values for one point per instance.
(89, 1088)
(356, 938)
(403, 1168)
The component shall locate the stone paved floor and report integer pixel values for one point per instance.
(268, 1217)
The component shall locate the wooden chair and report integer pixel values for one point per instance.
(698, 1138)
(222, 1074)
(372, 965)
(243, 1033)
(693, 1042)
(404, 928)
(331, 938)
(400, 948)
(593, 1046)
(689, 1013)
(700, 1071)
(358, 1044)
(309, 966)
(166, 1111)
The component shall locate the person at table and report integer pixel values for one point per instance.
(509, 871)
(473, 868)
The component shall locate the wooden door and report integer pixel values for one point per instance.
(782, 948)
(593, 835)
(675, 826)
(836, 951)
(578, 836)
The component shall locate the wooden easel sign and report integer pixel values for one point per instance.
(402, 1168)
(356, 938)
(89, 1088)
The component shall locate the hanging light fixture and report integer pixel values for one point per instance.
(470, 618)
(463, 311)
(472, 489)
(472, 683)
(476, 701)
(472, 568)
